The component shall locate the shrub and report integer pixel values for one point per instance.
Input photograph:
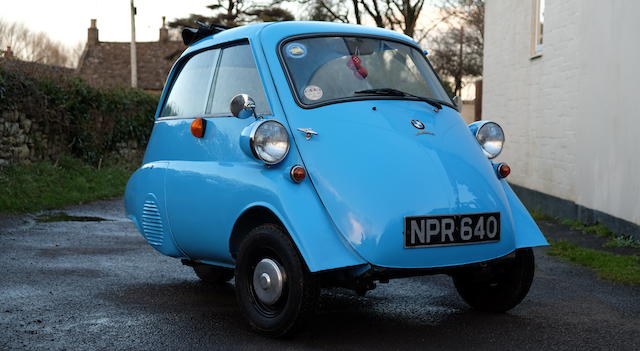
(71, 117)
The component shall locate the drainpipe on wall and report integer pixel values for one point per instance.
(478, 103)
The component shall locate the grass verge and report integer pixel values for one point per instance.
(47, 185)
(540, 216)
(598, 229)
(623, 269)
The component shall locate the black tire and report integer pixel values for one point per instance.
(212, 274)
(299, 294)
(500, 289)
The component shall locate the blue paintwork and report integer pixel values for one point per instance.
(367, 171)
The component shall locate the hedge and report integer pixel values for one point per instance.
(72, 117)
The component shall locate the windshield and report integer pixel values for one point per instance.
(323, 69)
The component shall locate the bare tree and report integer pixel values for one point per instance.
(377, 10)
(404, 14)
(469, 12)
(232, 13)
(457, 51)
(35, 46)
(323, 10)
(392, 14)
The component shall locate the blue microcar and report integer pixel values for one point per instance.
(301, 155)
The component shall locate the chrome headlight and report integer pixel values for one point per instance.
(269, 141)
(490, 137)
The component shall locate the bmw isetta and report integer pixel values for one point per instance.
(301, 155)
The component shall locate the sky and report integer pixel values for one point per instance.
(67, 21)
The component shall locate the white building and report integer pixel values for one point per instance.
(562, 77)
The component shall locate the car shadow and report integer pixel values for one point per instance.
(384, 318)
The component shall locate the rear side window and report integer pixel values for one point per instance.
(236, 74)
(188, 94)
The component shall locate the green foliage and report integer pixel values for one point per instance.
(623, 269)
(602, 231)
(540, 216)
(48, 185)
(623, 241)
(73, 117)
(599, 229)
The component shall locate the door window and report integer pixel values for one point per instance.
(236, 74)
(188, 94)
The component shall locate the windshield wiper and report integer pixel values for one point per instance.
(396, 92)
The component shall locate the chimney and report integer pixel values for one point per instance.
(8, 53)
(92, 33)
(164, 32)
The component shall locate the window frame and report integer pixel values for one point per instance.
(214, 79)
(301, 104)
(537, 29)
(179, 65)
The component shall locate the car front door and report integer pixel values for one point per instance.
(205, 172)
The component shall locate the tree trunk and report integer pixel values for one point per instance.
(356, 11)
(458, 78)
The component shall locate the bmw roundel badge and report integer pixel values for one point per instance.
(417, 124)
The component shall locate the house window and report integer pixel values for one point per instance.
(538, 28)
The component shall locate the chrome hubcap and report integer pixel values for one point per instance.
(268, 279)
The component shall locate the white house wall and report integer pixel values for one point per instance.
(571, 116)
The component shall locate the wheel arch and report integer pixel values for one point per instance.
(250, 218)
(323, 249)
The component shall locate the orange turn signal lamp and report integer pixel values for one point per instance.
(198, 127)
(297, 173)
(503, 170)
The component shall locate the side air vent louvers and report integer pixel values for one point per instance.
(152, 223)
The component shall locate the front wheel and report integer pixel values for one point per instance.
(275, 291)
(500, 287)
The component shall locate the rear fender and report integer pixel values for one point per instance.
(527, 233)
(145, 205)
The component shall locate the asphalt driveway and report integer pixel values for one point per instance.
(98, 285)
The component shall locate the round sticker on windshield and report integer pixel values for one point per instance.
(296, 50)
(313, 92)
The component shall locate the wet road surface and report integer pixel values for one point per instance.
(98, 285)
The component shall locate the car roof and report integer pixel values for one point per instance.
(281, 30)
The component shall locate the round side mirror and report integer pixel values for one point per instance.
(242, 106)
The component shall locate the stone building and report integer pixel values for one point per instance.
(108, 64)
(560, 76)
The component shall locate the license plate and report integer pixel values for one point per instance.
(429, 231)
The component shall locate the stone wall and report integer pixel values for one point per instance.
(23, 142)
(15, 141)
